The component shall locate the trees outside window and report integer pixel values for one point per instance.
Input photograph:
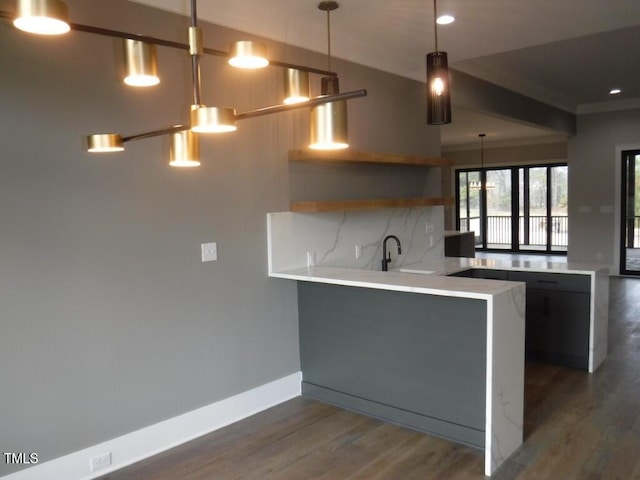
(520, 208)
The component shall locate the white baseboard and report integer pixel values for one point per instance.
(143, 443)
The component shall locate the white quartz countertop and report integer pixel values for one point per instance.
(449, 265)
(399, 281)
(431, 278)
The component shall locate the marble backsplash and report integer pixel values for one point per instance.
(297, 240)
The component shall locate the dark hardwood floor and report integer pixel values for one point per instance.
(577, 427)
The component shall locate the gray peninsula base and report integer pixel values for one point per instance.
(414, 359)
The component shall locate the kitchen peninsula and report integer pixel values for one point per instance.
(413, 345)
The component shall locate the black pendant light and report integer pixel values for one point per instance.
(438, 92)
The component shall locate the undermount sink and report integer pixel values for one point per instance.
(420, 272)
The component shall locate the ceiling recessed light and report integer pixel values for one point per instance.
(615, 91)
(445, 19)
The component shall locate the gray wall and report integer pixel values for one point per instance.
(109, 322)
(594, 183)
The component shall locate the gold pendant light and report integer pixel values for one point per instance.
(43, 17)
(140, 64)
(204, 119)
(105, 143)
(296, 86)
(248, 54)
(328, 124)
(50, 17)
(184, 151)
(212, 119)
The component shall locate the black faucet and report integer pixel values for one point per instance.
(386, 258)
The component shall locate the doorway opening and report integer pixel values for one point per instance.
(630, 214)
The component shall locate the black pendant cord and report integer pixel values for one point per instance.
(195, 56)
(435, 23)
(329, 39)
(483, 175)
(330, 84)
(194, 13)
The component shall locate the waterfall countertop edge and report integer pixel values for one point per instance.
(432, 278)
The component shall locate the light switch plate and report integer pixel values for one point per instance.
(209, 252)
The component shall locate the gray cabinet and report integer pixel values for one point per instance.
(459, 244)
(414, 359)
(485, 273)
(558, 317)
(558, 314)
(489, 274)
(462, 273)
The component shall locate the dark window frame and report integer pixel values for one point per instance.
(515, 212)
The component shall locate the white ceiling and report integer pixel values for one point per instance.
(567, 53)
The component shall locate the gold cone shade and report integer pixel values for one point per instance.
(105, 142)
(184, 150)
(42, 17)
(212, 119)
(140, 64)
(248, 54)
(296, 86)
(329, 126)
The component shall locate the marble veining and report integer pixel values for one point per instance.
(505, 376)
(599, 319)
(332, 237)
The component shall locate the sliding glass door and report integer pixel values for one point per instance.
(518, 209)
(630, 234)
(469, 210)
(543, 214)
(499, 234)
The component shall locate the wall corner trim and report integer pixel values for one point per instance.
(149, 441)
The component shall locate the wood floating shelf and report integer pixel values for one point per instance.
(353, 156)
(372, 204)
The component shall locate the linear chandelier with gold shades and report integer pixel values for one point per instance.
(50, 17)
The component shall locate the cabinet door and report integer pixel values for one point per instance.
(570, 327)
(489, 274)
(565, 282)
(537, 329)
(557, 328)
(463, 273)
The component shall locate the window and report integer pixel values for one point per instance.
(531, 218)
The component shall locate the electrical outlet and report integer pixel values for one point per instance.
(311, 259)
(209, 252)
(100, 461)
(358, 252)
